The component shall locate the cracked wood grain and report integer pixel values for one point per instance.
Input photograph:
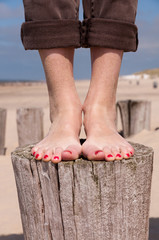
(84, 200)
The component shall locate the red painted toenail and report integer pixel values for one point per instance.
(56, 157)
(109, 155)
(118, 155)
(46, 156)
(128, 154)
(131, 152)
(33, 153)
(68, 151)
(37, 155)
(98, 152)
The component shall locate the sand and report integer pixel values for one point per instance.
(35, 95)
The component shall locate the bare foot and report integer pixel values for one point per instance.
(103, 141)
(62, 141)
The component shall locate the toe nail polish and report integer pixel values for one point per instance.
(98, 152)
(68, 151)
(46, 156)
(118, 155)
(37, 155)
(109, 155)
(128, 154)
(33, 153)
(131, 152)
(56, 157)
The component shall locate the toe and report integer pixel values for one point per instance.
(57, 155)
(99, 155)
(109, 156)
(47, 155)
(39, 154)
(131, 151)
(116, 152)
(34, 150)
(93, 153)
(119, 156)
(71, 153)
(127, 153)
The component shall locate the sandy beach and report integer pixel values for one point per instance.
(35, 95)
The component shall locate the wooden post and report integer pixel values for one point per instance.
(124, 113)
(3, 115)
(135, 116)
(82, 199)
(29, 125)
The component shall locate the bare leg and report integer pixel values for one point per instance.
(103, 140)
(62, 140)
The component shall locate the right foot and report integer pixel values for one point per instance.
(62, 141)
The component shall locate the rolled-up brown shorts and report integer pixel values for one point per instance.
(55, 24)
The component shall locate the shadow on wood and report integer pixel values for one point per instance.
(12, 237)
(29, 125)
(82, 199)
(3, 115)
(154, 229)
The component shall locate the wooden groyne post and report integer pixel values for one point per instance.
(3, 116)
(29, 125)
(135, 116)
(82, 199)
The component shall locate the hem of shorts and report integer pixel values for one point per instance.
(111, 33)
(56, 33)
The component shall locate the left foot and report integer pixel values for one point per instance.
(103, 141)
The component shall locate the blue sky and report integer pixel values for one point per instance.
(16, 63)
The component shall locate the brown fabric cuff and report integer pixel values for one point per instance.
(110, 33)
(50, 34)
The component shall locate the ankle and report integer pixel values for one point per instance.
(66, 105)
(68, 114)
(99, 108)
(97, 115)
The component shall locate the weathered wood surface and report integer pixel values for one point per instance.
(29, 125)
(82, 199)
(135, 116)
(3, 115)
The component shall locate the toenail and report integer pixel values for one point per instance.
(109, 155)
(118, 155)
(131, 152)
(46, 156)
(37, 155)
(98, 152)
(68, 151)
(128, 154)
(56, 157)
(33, 153)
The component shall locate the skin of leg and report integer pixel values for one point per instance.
(103, 141)
(62, 140)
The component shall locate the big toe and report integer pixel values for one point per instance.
(72, 152)
(93, 153)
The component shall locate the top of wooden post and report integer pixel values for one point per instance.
(141, 151)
